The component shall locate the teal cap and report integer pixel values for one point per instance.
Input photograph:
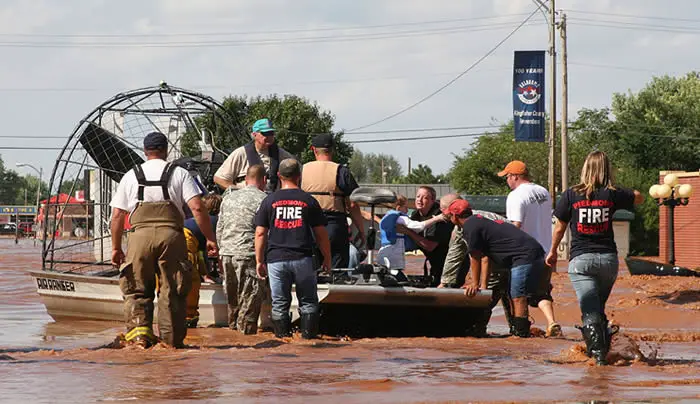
(262, 126)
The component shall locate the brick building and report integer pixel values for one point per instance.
(687, 225)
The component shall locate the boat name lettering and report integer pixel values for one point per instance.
(53, 284)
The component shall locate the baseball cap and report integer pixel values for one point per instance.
(155, 140)
(515, 167)
(290, 168)
(324, 140)
(458, 207)
(263, 126)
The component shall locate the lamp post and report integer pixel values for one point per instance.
(39, 171)
(671, 194)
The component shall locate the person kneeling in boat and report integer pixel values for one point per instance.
(196, 250)
(155, 192)
(392, 229)
(290, 223)
(243, 288)
(507, 246)
(456, 267)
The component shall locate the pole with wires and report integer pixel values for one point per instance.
(552, 100)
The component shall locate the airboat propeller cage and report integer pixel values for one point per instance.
(106, 144)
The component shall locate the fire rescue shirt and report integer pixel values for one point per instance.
(181, 187)
(590, 220)
(289, 215)
(501, 241)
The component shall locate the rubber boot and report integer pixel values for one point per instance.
(480, 325)
(309, 323)
(521, 327)
(507, 312)
(282, 326)
(597, 337)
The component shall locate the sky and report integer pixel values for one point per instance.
(363, 60)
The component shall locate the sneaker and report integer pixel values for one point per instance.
(554, 330)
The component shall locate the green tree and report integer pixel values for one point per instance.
(422, 174)
(296, 120)
(367, 167)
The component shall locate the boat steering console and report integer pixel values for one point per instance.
(371, 273)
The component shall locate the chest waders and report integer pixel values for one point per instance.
(156, 249)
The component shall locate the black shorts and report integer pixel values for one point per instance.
(544, 290)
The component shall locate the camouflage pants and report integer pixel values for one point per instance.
(244, 292)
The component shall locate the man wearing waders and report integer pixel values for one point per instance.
(153, 195)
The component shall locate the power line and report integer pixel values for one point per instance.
(449, 83)
(679, 30)
(252, 32)
(633, 24)
(634, 16)
(259, 42)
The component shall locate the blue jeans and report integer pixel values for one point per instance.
(524, 279)
(300, 273)
(593, 276)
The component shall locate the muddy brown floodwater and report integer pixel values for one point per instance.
(656, 357)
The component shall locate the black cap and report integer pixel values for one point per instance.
(324, 140)
(290, 168)
(155, 140)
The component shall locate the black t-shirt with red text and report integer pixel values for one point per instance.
(290, 215)
(590, 220)
(501, 241)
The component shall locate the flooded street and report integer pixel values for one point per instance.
(657, 357)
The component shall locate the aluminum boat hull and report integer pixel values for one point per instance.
(99, 298)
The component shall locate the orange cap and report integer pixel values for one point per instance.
(515, 167)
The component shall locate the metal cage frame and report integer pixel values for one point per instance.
(126, 103)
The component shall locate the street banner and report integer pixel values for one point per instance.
(528, 96)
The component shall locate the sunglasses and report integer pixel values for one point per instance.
(268, 134)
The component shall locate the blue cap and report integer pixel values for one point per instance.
(155, 140)
(262, 126)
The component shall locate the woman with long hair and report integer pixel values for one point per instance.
(588, 208)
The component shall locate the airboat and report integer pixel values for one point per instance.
(77, 279)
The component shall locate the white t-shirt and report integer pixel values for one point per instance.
(531, 205)
(181, 187)
(395, 253)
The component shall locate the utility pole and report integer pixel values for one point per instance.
(564, 107)
(409, 166)
(552, 99)
(565, 242)
(383, 173)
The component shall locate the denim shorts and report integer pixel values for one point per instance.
(524, 279)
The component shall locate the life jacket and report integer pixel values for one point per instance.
(253, 158)
(319, 179)
(387, 227)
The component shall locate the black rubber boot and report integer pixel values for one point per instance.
(282, 326)
(480, 325)
(597, 337)
(309, 325)
(521, 327)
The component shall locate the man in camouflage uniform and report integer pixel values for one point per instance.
(457, 265)
(243, 288)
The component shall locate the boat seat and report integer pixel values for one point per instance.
(366, 196)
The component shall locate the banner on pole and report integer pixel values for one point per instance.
(528, 96)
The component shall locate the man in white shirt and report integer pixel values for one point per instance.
(529, 207)
(152, 195)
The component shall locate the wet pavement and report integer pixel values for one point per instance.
(657, 357)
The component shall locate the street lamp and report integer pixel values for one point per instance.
(40, 171)
(671, 194)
